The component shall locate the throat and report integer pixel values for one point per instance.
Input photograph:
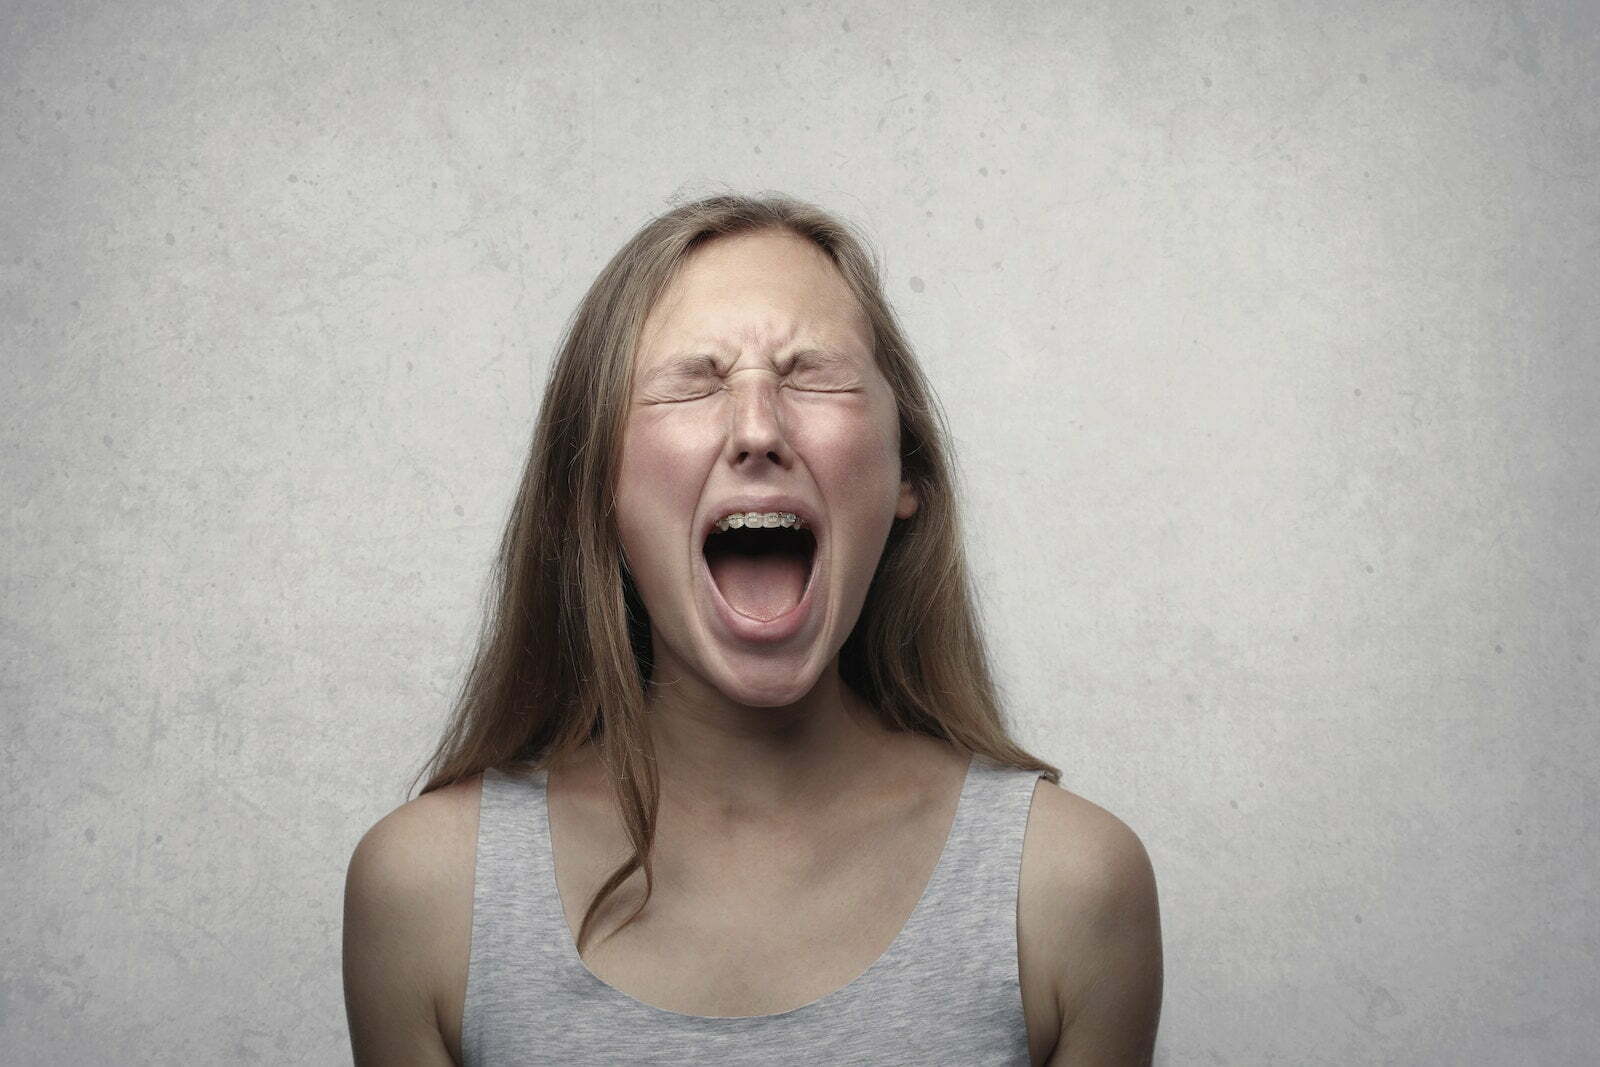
(759, 586)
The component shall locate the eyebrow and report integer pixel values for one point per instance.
(695, 362)
(701, 362)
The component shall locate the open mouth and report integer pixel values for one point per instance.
(761, 572)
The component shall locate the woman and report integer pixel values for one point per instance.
(735, 655)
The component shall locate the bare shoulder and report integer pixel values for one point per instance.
(1100, 928)
(408, 928)
(1091, 856)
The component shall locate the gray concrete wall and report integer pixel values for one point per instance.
(1266, 331)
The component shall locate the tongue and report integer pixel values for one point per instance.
(762, 587)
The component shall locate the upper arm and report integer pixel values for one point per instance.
(403, 932)
(1109, 991)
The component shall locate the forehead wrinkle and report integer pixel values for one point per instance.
(765, 335)
(828, 311)
(699, 360)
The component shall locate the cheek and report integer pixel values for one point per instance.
(646, 458)
(855, 452)
(658, 482)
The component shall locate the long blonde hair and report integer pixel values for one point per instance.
(564, 654)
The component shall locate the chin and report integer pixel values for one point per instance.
(774, 686)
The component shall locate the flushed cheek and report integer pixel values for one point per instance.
(858, 467)
(658, 485)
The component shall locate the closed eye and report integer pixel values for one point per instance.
(686, 395)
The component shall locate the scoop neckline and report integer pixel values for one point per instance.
(569, 948)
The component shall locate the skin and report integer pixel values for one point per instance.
(794, 403)
(760, 744)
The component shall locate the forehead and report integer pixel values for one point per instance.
(754, 294)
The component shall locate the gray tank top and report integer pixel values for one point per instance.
(945, 991)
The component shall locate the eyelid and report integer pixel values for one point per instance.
(715, 378)
(714, 389)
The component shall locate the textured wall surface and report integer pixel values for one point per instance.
(1267, 333)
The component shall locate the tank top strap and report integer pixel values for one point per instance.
(966, 922)
(519, 929)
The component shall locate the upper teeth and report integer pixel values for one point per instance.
(755, 519)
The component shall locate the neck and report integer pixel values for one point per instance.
(728, 765)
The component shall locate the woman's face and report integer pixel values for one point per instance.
(755, 389)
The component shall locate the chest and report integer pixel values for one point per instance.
(760, 927)
(760, 961)
(768, 931)
(732, 938)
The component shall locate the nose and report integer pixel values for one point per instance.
(756, 432)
